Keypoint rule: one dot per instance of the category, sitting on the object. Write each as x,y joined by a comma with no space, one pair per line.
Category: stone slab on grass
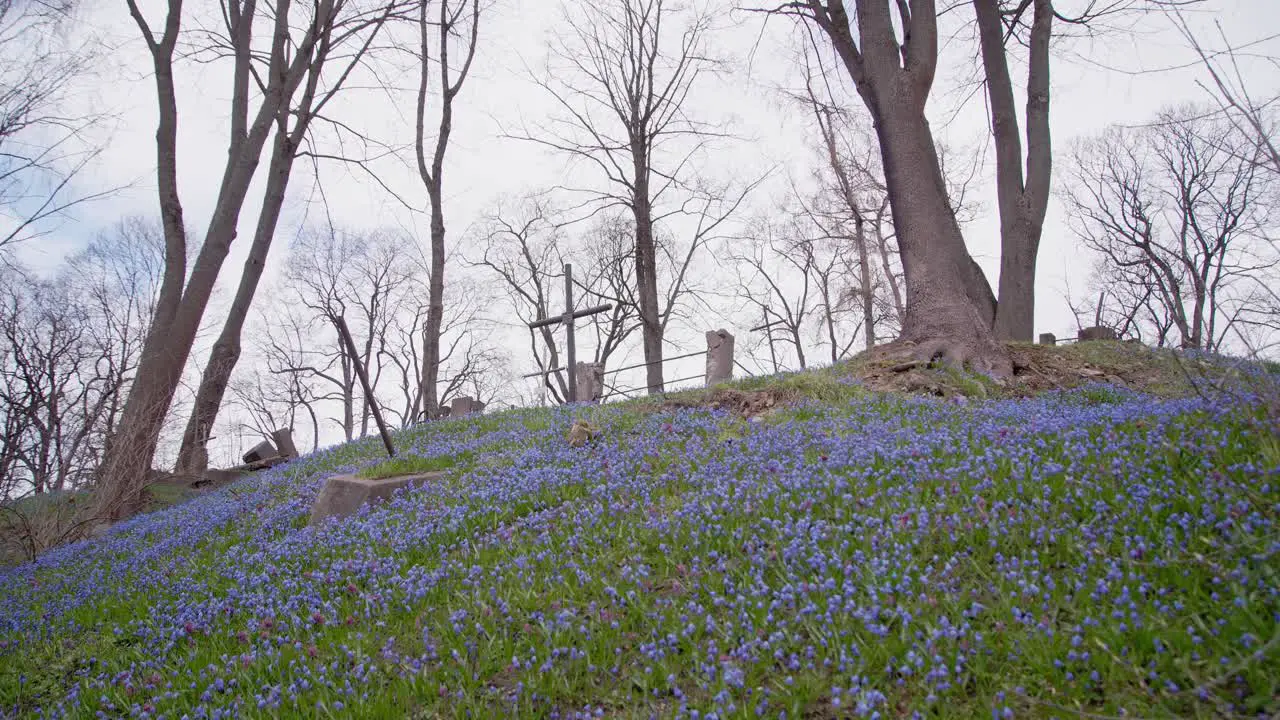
343,495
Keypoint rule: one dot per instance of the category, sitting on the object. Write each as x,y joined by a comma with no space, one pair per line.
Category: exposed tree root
987,358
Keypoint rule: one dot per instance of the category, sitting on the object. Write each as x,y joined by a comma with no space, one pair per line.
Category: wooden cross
567,320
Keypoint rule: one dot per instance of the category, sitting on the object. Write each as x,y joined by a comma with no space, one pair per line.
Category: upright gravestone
1048,339
590,382
284,440
719,356
1098,332
464,405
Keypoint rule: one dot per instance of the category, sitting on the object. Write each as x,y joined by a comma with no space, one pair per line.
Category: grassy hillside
1093,551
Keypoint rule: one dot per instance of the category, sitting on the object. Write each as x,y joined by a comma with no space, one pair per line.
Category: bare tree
849,208
466,353
622,80
778,281
343,41
43,144
949,305
457,27
184,296
286,346
360,276
1178,212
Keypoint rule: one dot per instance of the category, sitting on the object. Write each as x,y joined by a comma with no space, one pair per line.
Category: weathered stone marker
1048,339
284,440
1098,332
343,495
261,451
464,405
719,356
590,382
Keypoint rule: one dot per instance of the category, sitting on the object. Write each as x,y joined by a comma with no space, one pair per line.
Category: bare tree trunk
433,176
948,313
886,265
128,451
865,286
1022,203
127,460
646,271
192,456
435,308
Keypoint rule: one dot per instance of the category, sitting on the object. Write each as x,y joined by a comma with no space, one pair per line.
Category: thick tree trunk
941,315
647,272
1023,200
948,313
192,455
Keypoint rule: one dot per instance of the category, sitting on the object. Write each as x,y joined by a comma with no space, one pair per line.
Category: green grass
412,465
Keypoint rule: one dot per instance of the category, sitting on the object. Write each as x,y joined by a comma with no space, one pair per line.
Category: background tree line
862,245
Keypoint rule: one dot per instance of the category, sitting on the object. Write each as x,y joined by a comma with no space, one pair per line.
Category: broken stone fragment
261,451
343,495
581,433
1098,332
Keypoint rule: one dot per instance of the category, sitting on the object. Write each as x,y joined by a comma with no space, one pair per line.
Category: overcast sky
1119,77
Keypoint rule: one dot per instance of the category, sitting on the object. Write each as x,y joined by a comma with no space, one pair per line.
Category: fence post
1048,339
589,382
719,356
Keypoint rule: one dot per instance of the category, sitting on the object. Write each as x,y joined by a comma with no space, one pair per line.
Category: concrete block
1098,333
284,440
343,495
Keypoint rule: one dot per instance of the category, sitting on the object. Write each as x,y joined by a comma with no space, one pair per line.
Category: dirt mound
747,403
1041,368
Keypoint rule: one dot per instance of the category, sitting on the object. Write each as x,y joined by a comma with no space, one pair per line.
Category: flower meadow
1085,553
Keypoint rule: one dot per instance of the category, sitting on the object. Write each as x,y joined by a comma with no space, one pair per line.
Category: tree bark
192,455
433,179
1023,201
947,313
646,269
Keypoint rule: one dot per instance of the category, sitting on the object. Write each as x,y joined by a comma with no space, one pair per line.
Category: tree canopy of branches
525,247
373,282
1177,213
43,146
